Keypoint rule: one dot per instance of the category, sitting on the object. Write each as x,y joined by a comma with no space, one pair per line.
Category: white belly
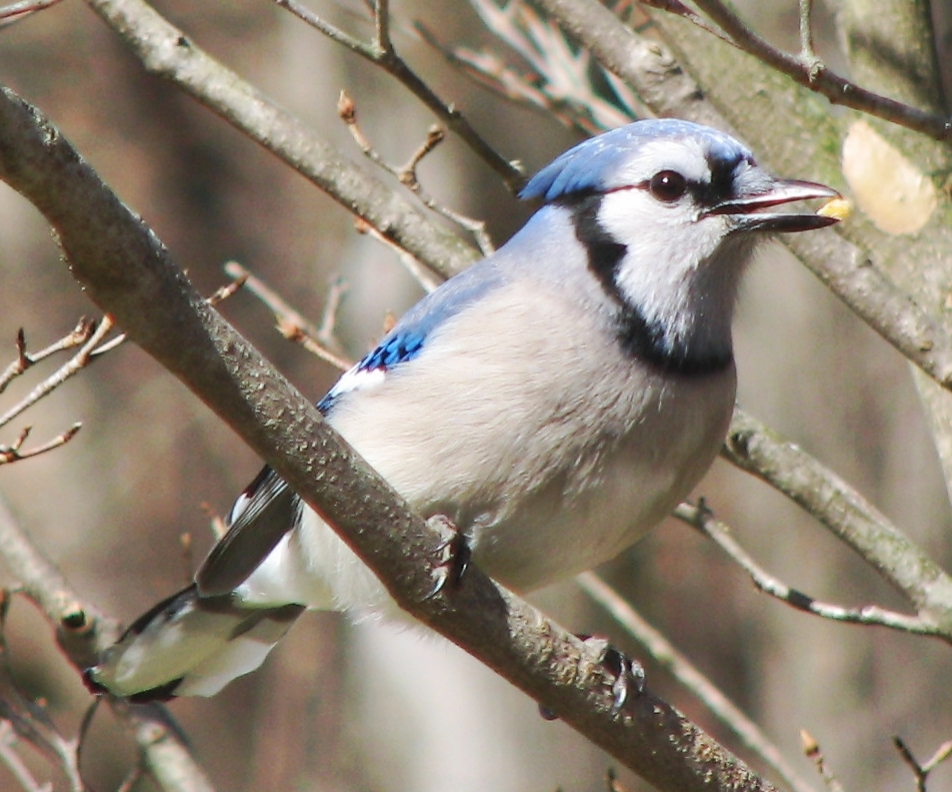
547,475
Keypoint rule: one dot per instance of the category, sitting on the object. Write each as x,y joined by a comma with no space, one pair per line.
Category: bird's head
669,213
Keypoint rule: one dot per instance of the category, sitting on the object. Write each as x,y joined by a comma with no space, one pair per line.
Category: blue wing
411,334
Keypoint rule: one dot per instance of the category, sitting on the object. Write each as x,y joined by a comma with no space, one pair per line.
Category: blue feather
409,336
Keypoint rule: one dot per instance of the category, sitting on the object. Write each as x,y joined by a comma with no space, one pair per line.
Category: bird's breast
532,430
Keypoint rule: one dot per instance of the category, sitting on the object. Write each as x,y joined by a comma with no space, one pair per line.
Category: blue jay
554,401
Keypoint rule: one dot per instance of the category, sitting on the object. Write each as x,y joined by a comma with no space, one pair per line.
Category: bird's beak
746,210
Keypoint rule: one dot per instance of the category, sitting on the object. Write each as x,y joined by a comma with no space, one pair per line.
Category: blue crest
589,166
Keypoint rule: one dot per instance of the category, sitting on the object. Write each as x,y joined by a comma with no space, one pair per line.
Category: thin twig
663,652
382,53
327,330
17,767
72,367
290,323
699,517
29,720
851,518
83,631
811,749
921,771
406,174
14,452
78,335
808,70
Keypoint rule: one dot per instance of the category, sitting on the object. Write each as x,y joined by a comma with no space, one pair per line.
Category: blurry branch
921,771
380,51
125,269
753,447
807,69
554,76
663,652
81,632
407,174
166,51
10,14
290,323
26,721
699,517
811,749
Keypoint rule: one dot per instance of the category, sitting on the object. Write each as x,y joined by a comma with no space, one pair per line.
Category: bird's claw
455,555
629,677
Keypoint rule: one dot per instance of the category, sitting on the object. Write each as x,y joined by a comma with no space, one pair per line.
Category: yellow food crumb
839,208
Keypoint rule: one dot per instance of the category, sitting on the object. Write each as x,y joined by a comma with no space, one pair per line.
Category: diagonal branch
753,447
167,52
808,70
381,52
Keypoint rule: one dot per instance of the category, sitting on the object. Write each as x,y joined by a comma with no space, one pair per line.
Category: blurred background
369,707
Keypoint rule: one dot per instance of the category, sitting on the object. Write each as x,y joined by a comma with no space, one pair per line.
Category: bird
554,401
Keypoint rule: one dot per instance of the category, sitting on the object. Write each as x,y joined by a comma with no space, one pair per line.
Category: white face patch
686,157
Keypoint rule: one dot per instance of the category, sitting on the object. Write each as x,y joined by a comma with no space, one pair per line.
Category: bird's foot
628,676
454,552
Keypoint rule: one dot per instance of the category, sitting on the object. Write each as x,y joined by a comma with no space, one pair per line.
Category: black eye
667,186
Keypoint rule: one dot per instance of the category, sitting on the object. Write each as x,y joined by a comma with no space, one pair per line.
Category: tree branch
123,266
755,448
382,53
167,52
806,69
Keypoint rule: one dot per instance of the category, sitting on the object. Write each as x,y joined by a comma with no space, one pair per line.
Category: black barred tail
189,645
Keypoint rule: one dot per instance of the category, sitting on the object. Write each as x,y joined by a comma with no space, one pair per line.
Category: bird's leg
454,554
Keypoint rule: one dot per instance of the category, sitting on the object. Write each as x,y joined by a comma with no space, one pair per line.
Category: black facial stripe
645,341
638,337
603,250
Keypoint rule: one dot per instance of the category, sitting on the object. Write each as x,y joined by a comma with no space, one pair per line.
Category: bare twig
700,517
78,335
17,767
420,272
166,51
82,631
382,53
72,367
850,517
327,330
290,323
15,453
30,721
808,70
559,75
665,654
921,771
811,749
407,175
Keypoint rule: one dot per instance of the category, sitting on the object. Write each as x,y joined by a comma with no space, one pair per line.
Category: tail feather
189,645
